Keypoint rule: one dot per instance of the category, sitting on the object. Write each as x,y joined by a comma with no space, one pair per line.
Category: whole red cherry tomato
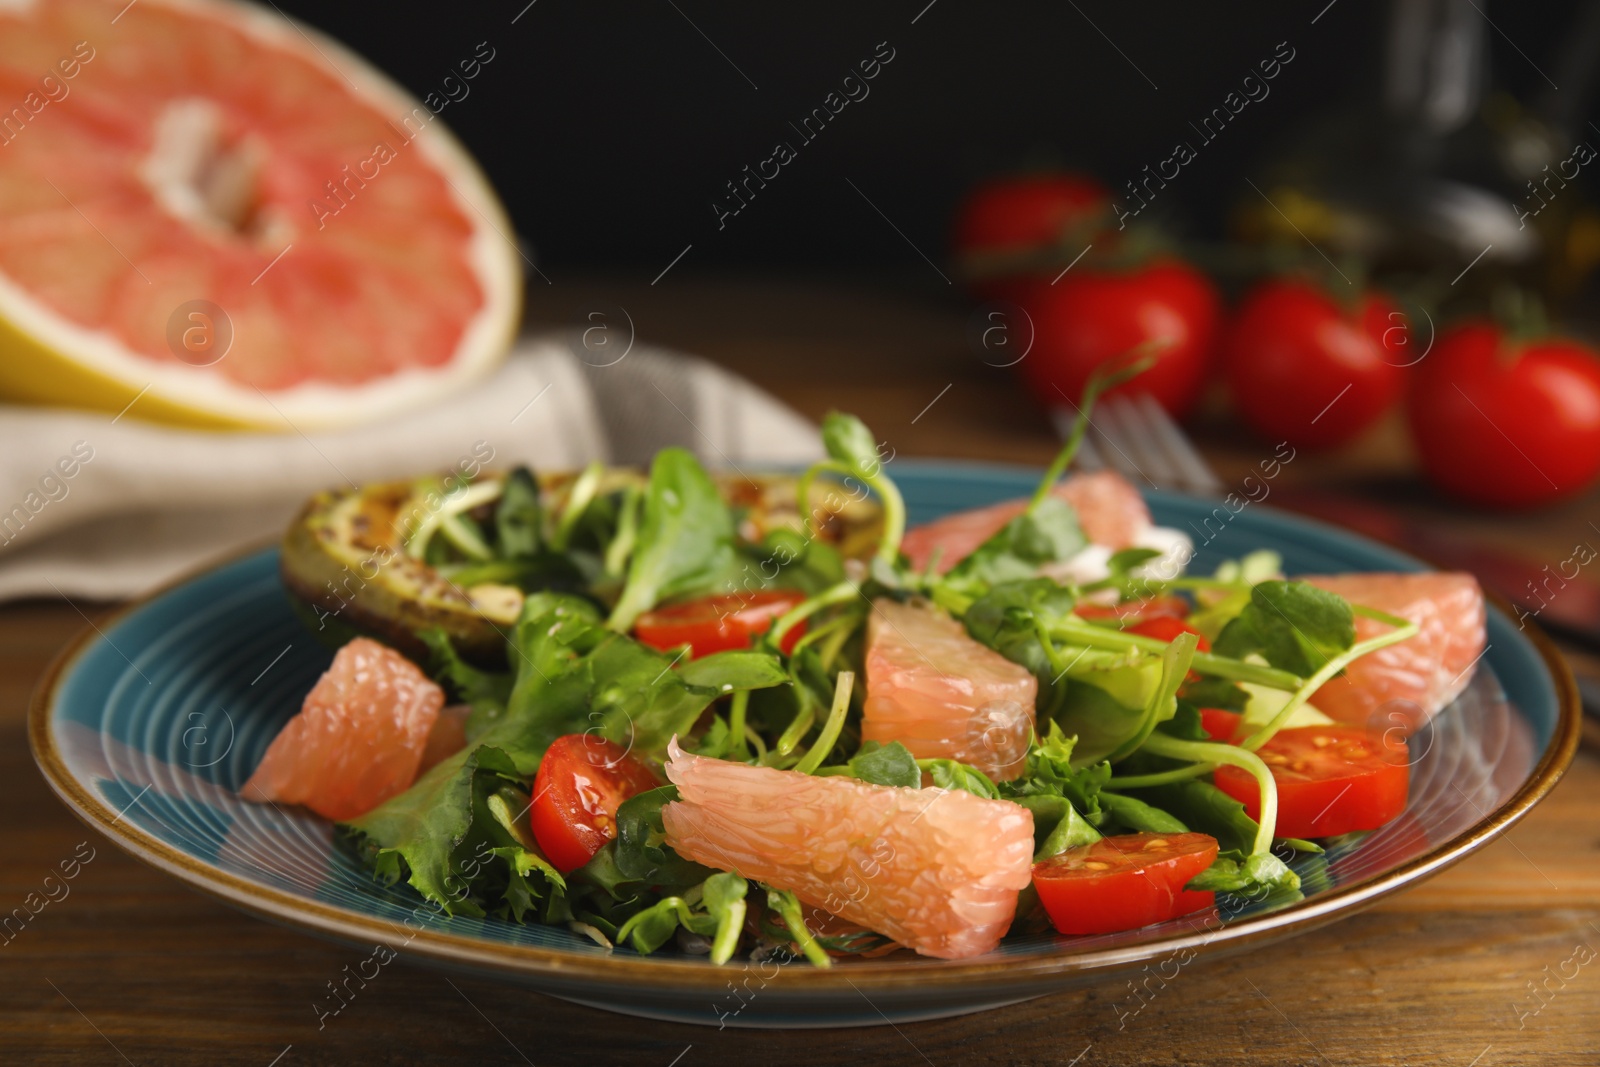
1304,369
1089,316
1007,217
1507,423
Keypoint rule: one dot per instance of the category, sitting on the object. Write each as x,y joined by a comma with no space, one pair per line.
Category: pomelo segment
1407,683
936,870
942,694
1111,512
359,738
213,159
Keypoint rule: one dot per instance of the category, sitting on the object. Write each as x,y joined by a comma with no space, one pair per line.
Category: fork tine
1194,473
1120,443
1146,449
1088,457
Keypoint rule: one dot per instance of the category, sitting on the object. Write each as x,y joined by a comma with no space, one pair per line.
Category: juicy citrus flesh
1110,510
944,695
358,739
935,870
106,238
1407,683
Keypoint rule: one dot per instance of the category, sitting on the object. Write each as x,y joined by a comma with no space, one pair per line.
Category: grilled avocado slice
347,569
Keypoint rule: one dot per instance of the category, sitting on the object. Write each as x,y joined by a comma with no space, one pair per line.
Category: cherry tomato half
1174,606
719,623
582,780
1507,424
1123,883
1220,723
1304,369
1165,628
1331,780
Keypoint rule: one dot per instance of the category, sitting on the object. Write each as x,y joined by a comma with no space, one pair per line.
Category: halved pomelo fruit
210,208
1111,512
1407,683
936,870
942,694
359,738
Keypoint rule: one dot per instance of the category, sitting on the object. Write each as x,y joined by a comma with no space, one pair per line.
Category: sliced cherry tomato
581,782
1123,883
1507,423
1174,606
1331,780
719,623
1220,723
1165,628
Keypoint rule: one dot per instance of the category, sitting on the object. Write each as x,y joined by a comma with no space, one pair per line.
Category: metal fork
1135,436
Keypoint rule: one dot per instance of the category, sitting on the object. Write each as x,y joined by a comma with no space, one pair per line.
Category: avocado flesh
345,567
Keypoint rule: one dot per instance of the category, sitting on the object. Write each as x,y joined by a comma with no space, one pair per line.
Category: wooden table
131,967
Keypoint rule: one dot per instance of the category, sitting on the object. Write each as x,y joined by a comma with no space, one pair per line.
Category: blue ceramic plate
148,727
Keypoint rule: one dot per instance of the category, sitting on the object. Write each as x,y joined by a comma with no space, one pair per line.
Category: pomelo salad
1021,717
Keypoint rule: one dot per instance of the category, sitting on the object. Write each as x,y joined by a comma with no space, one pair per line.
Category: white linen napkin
103,508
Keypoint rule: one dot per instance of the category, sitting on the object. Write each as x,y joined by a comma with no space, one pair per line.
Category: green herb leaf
685,537
519,520
724,672
1294,625
1136,816
1057,825
1043,534
891,764
951,774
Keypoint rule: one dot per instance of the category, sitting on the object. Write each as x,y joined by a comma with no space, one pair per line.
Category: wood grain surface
129,967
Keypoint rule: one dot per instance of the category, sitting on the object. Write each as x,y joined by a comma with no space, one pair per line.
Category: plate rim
618,971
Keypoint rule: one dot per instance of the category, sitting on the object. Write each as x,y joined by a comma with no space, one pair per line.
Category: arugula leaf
685,537
1294,625
1206,809
1053,769
519,519
1255,875
1057,825
1139,817
417,833
891,764
486,691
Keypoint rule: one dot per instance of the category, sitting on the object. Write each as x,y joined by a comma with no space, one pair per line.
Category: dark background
609,128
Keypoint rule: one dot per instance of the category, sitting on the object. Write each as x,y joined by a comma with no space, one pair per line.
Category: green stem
1211,752
836,594
621,546
736,711
1402,629
728,932
1143,358
453,504
579,498
787,905
1148,781
1074,631
831,728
